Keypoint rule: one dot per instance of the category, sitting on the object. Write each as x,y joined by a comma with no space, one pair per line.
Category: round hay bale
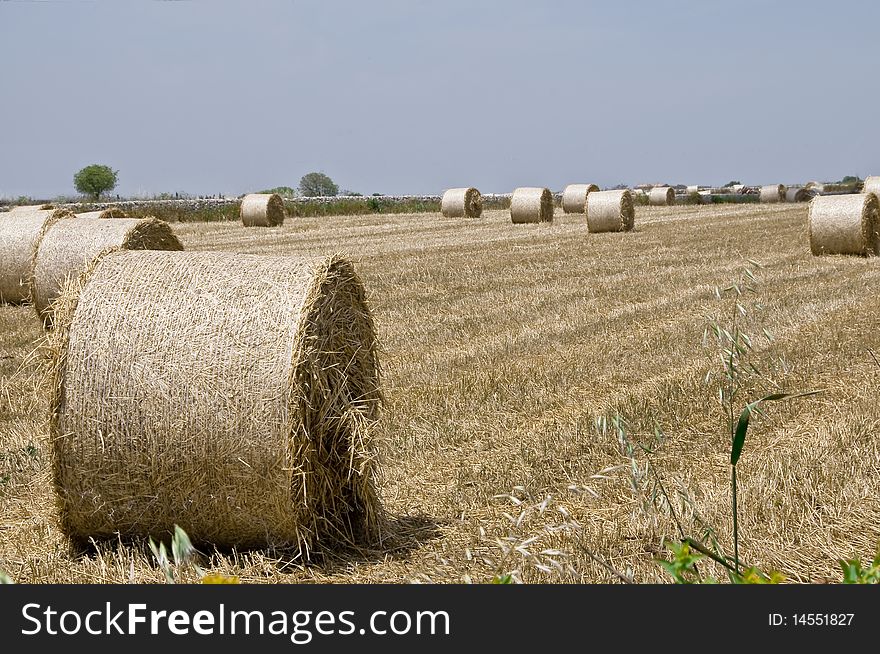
231,394
68,246
872,185
530,204
574,197
797,195
661,196
20,235
109,212
262,210
845,224
462,203
772,193
610,211
692,189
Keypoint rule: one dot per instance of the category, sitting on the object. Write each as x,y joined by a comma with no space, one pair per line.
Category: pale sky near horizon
414,97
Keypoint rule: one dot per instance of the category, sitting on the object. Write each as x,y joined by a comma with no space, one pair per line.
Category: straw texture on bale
845,224
574,197
797,195
661,196
773,193
234,395
462,203
68,246
872,185
20,236
32,207
610,211
262,210
530,204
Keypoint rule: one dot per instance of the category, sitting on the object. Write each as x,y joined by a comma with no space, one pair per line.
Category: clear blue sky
417,96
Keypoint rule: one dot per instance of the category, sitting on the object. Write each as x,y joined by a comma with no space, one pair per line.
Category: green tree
315,184
733,182
283,191
95,179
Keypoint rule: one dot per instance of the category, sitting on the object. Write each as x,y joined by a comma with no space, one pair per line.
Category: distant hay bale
610,211
32,207
797,195
234,395
661,196
20,235
574,197
69,245
773,193
693,189
845,224
262,210
461,203
530,204
872,185
109,212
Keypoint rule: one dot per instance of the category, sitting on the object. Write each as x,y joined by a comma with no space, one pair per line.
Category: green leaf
742,426
5,579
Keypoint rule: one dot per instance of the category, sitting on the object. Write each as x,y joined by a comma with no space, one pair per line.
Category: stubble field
507,352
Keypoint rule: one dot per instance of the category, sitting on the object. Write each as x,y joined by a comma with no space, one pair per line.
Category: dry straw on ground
610,211
661,196
773,193
530,204
20,235
574,197
845,224
231,394
262,210
872,185
797,195
461,203
68,246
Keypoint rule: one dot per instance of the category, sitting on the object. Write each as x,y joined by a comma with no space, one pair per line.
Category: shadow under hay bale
845,224
661,196
531,205
262,210
610,211
772,193
68,246
574,197
461,203
20,236
234,395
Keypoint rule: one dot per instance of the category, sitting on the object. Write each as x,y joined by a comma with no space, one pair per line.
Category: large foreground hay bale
262,210
661,196
530,204
845,224
231,394
574,197
461,203
872,185
797,195
70,245
20,235
610,211
773,193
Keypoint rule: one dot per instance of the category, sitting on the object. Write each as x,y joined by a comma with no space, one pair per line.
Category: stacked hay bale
262,210
661,196
797,195
68,246
233,395
461,203
531,205
20,236
610,211
845,224
574,197
772,193
872,185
